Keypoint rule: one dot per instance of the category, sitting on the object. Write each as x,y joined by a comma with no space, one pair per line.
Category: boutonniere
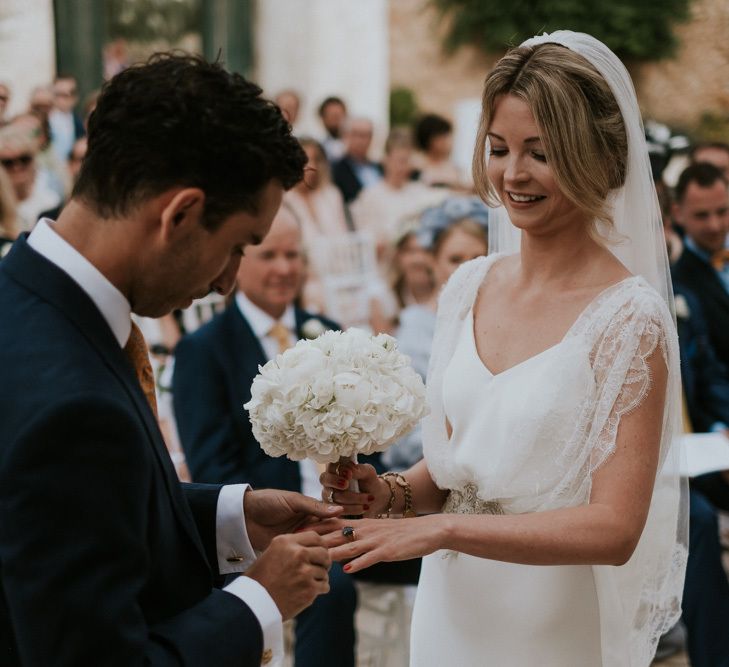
682,308
312,328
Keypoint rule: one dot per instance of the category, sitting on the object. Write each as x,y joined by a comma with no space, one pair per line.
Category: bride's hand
372,498
381,540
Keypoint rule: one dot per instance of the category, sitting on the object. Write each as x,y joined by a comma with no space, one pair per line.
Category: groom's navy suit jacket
214,370
105,559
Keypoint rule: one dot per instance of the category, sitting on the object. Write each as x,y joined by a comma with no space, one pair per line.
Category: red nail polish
366,506
342,483
370,498
347,568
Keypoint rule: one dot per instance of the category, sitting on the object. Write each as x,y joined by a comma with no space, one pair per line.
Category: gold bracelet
409,510
391,502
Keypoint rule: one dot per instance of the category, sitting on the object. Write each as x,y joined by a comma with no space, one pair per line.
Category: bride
552,528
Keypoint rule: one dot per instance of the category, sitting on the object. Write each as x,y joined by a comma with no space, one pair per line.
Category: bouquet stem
353,483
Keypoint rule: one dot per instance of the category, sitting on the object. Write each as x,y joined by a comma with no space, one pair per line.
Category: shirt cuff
235,553
718,427
268,615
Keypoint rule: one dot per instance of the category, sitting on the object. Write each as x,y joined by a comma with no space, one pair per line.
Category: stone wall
675,91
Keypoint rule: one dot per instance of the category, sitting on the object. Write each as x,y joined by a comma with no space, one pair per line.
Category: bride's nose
515,171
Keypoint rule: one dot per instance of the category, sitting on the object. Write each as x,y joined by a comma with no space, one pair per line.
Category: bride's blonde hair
580,125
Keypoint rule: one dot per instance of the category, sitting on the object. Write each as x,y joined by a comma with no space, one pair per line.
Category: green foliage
638,30
403,107
713,127
150,20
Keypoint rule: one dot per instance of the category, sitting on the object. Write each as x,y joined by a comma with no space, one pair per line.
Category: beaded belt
466,501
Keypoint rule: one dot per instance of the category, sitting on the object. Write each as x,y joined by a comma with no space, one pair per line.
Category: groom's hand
294,570
270,512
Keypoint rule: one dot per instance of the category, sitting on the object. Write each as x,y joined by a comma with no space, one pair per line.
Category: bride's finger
364,561
333,481
351,549
347,498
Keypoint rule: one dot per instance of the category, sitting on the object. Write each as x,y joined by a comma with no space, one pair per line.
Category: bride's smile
519,170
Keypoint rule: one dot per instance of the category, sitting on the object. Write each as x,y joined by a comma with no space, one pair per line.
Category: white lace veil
635,210
647,590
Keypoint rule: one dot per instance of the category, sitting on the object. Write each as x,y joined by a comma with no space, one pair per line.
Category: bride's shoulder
632,303
471,273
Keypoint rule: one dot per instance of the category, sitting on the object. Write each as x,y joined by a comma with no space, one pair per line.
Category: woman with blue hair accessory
454,232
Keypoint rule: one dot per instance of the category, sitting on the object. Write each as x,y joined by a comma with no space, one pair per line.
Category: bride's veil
650,585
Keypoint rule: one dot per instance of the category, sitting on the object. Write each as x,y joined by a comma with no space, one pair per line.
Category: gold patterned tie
281,335
720,259
136,351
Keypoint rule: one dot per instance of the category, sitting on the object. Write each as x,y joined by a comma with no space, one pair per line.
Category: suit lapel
246,352
709,282
54,286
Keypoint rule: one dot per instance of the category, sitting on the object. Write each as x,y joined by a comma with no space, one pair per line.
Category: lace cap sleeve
625,335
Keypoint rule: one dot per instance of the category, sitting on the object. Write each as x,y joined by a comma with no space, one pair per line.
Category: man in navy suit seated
706,389
214,370
105,558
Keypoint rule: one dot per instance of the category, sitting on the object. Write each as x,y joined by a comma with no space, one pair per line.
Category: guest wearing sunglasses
17,156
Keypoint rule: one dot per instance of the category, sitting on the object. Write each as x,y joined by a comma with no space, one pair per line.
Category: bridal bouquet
339,395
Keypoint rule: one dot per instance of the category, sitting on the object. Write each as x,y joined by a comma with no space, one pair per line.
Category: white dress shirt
231,534
261,323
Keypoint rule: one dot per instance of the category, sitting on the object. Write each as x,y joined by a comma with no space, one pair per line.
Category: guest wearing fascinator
452,233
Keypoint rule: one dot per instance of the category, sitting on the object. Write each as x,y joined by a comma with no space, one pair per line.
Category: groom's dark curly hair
178,120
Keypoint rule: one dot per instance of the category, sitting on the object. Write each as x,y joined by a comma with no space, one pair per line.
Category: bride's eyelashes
501,152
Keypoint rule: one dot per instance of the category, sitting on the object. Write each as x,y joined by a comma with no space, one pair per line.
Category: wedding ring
331,496
336,470
349,534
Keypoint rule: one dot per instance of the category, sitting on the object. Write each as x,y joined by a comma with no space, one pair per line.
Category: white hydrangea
338,395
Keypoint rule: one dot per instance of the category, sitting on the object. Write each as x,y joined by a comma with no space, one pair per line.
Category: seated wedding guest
333,114
214,370
706,390
289,102
713,152
8,216
75,159
674,242
453,233
51,172
18,152
318,204
41,100
66,124
434,139
412,269
354,171
702,209
319,208
380,208
99,539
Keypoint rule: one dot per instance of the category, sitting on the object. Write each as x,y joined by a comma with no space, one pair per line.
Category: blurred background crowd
385,214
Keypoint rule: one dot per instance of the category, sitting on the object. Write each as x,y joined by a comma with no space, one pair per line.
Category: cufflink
267,656
235,559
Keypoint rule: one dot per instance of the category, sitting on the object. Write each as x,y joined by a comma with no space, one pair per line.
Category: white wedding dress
527,440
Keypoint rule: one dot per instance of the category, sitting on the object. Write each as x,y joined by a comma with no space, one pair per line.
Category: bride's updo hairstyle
580,125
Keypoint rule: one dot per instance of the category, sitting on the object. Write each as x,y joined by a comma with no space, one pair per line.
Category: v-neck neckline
598,297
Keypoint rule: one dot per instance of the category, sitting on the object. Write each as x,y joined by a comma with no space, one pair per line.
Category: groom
105,559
